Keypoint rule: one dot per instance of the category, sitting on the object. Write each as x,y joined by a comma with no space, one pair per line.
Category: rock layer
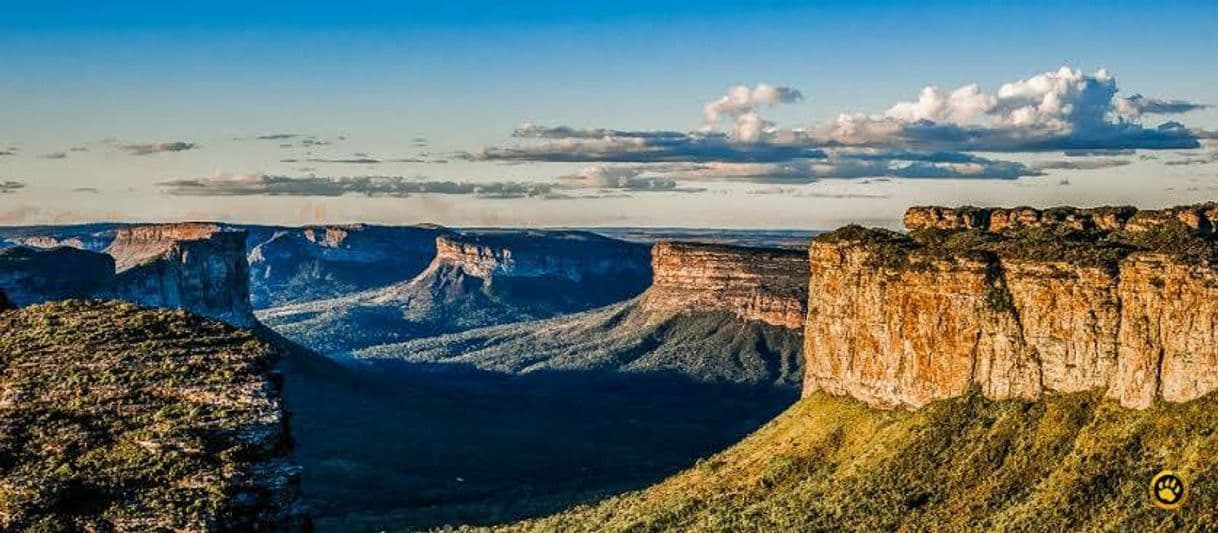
198,267
1200,217
900,322
754,283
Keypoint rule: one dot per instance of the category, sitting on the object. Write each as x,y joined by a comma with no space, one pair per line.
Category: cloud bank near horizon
932,136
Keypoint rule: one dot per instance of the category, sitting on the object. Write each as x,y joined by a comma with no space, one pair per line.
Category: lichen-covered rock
116,418
763,284
198,267
30,275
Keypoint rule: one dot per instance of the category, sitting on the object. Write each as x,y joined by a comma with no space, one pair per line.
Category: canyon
475,279
1016,304
713,313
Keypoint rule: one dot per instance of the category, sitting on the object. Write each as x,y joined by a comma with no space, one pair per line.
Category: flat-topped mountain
200,267
1128,306
317,262
713,313
474,280
32,275
118,418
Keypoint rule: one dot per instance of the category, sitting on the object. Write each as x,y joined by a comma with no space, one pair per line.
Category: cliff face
198,267
570,256
119,418
300,264
903,321
30,275
754,283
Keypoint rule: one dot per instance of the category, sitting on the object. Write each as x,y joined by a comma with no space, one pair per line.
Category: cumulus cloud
11,186
1063,110
381,186
741,106
156,148
625,177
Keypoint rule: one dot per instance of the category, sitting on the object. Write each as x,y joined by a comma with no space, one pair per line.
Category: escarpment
194,266
754,283
31,275
299,264
1017,304
475,279
116,418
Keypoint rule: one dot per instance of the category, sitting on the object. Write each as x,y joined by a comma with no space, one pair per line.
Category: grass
1071,462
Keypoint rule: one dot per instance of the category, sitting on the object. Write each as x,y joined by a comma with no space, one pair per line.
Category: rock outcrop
316,262
198,267
1128,307
763,284
116,418
31,275
1202,218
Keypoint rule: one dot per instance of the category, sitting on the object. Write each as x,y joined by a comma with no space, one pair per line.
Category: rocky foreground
118,418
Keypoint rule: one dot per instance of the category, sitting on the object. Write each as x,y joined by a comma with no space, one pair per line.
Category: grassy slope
1069,463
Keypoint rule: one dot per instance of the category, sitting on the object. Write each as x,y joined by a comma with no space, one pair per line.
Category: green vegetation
1072,462
1091,248
116,417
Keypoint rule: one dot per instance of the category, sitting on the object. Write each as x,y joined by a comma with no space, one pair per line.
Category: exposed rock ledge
902,321
199,267
1201,218
754,283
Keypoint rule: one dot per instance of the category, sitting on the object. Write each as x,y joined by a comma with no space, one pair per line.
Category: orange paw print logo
1167,490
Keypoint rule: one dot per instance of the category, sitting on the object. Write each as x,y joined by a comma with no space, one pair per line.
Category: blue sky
464,75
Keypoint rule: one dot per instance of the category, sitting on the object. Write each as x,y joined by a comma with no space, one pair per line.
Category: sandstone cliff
198,267
769,285
1063,302
116,418
30,275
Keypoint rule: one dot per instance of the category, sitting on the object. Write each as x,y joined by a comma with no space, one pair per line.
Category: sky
782,114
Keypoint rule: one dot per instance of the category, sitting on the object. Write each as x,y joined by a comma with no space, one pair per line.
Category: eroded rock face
572,256
1200,218
898,322
30,275
198,267
754,283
